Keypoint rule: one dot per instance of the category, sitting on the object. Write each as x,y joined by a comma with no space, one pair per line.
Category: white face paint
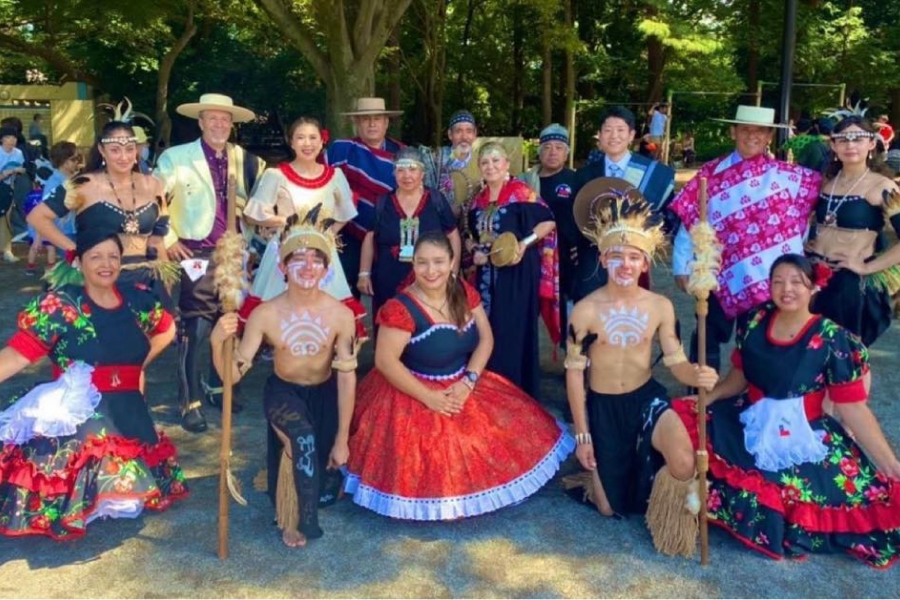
305,273
304,335
625,327
614,266
624,265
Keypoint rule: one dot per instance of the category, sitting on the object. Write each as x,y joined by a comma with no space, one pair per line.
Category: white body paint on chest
625,327
304,335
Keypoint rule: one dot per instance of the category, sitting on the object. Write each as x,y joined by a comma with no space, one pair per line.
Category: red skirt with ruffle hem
55,488
409,462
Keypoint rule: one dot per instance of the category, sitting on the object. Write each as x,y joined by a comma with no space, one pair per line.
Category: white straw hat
216,102
760,116
371,106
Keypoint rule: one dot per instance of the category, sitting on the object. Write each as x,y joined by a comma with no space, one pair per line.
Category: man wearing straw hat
368,163
759,208
196,177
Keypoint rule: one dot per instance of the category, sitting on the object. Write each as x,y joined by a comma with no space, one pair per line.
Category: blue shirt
622,163
658,124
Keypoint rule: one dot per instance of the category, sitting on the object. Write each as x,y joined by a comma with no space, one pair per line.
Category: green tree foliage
506,60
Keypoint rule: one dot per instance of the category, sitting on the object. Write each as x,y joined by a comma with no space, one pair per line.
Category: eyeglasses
852,137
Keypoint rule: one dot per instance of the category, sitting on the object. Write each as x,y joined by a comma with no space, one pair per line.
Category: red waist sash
812,402
112,378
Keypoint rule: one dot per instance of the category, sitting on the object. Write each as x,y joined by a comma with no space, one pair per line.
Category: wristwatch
471,378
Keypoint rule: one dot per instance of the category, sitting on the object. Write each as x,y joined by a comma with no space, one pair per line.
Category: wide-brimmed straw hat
371,106
760,116
216,102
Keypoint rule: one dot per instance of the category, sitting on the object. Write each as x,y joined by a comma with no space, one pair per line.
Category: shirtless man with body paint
628,435
308,407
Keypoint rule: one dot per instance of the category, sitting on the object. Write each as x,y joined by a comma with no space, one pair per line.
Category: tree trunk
467,32
895,106
570,74
395,93
753,11
353,41
440,60
163,122
518,70
547,76
342,88
656,61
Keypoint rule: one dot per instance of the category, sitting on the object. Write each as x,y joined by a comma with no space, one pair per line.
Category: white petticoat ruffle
52,409
778,435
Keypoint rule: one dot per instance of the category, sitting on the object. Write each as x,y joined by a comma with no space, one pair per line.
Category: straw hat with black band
760,116
371,107
219,102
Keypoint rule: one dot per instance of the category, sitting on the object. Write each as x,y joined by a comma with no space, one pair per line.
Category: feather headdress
309,229
124,112
611,212
856,110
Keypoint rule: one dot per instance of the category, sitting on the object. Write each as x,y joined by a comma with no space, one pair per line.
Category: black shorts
622,429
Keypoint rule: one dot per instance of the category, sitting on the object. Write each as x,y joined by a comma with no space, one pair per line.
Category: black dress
511,295
860,304
792,492
107,216
388,270
115,463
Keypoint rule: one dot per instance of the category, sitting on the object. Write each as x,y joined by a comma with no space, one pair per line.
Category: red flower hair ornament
823,274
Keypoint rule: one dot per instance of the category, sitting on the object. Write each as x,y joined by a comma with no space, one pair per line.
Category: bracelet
364,273
583,438
529,240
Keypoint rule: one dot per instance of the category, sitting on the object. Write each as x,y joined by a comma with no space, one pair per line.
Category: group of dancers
462,259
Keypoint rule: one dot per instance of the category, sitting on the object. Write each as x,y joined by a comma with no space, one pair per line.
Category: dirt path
548,546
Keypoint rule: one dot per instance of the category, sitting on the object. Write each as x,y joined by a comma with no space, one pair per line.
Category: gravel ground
548,546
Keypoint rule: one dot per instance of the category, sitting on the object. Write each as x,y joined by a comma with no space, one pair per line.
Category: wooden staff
228,305
702,456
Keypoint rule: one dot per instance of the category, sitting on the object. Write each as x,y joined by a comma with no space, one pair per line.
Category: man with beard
454,171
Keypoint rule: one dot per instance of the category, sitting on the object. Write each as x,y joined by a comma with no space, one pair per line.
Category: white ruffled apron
52,409
778,434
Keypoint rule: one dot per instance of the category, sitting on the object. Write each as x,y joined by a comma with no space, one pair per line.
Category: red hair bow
325,136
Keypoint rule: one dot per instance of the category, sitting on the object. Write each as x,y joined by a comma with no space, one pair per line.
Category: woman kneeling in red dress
434,436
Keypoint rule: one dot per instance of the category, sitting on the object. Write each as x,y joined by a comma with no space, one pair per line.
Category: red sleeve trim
165,321
394,314
846,393
472,296
736,360
28,346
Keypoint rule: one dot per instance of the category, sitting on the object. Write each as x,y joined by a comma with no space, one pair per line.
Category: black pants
622,427
350,257
199,308
308,417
